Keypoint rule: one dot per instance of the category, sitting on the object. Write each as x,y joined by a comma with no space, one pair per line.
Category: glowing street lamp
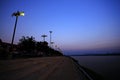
16,14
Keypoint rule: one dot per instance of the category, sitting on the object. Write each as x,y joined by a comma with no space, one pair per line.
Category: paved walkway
46,68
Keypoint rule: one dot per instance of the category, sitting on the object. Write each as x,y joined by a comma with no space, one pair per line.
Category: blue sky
77,25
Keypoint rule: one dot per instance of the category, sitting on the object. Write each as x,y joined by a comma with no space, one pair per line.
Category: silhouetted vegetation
27,47
26,44
4,50
3,53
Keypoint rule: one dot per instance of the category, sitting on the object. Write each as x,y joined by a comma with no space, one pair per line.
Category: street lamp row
17,14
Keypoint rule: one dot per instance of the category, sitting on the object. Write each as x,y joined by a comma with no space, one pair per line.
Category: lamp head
18,13
50,31
21,13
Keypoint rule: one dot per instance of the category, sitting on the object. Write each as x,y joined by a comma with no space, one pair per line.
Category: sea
106,66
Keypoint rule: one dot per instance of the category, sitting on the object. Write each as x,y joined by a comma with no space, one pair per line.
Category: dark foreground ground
46,68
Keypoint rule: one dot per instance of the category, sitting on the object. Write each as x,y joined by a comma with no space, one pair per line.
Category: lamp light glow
22,13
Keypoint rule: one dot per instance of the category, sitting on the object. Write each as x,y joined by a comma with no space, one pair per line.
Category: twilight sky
77,25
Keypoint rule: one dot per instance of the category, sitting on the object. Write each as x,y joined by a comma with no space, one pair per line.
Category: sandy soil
46,68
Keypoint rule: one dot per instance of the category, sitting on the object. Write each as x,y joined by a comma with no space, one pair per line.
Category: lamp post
44,37
16,14
52,44
50,38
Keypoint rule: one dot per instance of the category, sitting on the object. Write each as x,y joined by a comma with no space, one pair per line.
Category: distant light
22,13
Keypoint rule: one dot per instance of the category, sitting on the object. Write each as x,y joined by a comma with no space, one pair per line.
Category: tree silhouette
3,50
27,44
43,48
28,47
0,41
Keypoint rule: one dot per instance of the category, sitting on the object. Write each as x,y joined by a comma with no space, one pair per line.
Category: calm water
107,66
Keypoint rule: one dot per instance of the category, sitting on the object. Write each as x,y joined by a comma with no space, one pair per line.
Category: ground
46,68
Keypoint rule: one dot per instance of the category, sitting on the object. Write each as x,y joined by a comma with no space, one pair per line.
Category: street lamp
16,14
50,38
52,44
44,37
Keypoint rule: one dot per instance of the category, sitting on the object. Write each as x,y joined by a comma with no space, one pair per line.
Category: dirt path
46,68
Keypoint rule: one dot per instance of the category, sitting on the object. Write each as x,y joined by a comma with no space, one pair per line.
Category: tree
0,41
28,47
27,44
42,47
